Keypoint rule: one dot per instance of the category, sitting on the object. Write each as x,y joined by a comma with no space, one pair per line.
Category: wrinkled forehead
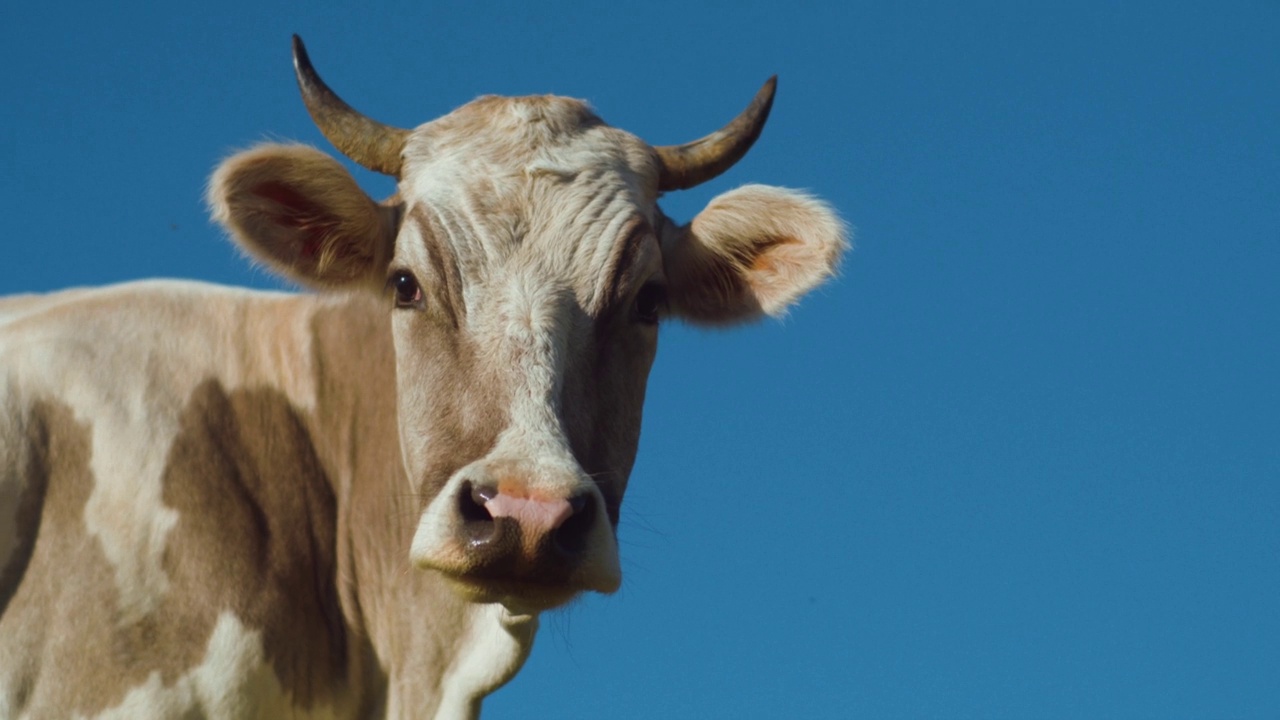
511,139
539,179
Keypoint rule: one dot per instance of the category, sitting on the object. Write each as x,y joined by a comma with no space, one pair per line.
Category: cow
355,501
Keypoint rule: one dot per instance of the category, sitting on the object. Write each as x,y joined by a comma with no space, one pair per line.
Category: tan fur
754,250
246,441
310,221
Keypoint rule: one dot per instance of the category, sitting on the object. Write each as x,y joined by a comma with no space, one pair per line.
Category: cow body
201,543
218,503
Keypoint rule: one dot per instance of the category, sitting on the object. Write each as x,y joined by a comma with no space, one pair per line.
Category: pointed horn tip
691,164
300,58
767,91
368,142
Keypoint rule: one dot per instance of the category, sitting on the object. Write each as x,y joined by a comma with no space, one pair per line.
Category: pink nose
503,522
539,516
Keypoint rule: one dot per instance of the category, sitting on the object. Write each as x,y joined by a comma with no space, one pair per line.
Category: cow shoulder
152,460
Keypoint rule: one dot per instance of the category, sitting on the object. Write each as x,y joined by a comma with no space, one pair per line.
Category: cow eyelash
406,289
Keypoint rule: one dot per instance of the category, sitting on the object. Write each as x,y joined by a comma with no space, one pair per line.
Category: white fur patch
126,512
494,648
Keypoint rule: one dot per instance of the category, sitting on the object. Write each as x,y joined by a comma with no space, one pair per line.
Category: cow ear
753,251
301,213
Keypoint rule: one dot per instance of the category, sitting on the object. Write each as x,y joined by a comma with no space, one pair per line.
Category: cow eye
405,286
650,302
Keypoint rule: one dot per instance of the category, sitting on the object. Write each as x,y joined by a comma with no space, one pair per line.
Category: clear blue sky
1022,460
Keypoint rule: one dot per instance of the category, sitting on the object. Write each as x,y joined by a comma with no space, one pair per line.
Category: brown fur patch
255,536
85,661
26,514
258,514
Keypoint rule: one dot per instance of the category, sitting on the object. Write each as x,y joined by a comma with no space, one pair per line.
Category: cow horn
684,166
364,140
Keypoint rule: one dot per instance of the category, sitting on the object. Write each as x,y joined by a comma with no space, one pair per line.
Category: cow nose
565,522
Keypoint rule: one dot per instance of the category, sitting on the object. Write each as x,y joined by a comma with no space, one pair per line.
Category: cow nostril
570,538
478,525
471,502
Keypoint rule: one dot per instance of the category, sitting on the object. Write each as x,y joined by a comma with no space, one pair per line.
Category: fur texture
754,250
303,215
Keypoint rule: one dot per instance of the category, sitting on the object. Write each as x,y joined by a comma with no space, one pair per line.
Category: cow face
526,267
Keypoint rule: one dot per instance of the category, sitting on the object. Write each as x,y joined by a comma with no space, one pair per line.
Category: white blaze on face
529,335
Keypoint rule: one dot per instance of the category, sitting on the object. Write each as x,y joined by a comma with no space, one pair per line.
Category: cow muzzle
519,539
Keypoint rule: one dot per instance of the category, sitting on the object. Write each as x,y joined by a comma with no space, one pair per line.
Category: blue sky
1022,460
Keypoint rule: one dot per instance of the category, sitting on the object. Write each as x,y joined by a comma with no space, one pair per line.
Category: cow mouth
495,561
518,594
504,565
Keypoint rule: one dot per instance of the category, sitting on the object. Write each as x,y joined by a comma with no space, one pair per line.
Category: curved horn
364,140
684,166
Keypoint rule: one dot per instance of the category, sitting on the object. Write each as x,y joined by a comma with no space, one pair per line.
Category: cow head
526,267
